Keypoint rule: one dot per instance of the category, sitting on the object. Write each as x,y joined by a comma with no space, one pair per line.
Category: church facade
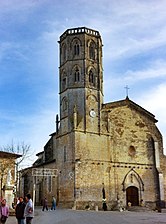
101,151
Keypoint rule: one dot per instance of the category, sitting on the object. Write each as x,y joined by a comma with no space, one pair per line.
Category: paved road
64,216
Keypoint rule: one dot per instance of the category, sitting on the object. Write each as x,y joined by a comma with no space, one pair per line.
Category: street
67,216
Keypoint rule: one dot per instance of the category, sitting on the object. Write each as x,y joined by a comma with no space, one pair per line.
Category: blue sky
134,54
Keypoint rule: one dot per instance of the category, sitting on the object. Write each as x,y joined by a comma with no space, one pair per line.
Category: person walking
53,207
4,211
20,207
45,204
28,211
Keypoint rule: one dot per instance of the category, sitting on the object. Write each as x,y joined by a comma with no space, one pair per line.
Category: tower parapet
79,30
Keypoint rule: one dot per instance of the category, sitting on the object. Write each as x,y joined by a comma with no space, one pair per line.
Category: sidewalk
11,220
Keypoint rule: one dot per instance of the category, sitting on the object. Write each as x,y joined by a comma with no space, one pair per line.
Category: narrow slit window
65,154
64,104
64,84
91,77
76,75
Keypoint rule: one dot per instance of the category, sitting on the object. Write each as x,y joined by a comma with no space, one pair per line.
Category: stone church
101,151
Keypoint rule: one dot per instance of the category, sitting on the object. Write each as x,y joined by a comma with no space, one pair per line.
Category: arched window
131,151
76,75
64,104
64,52
92,51
76,48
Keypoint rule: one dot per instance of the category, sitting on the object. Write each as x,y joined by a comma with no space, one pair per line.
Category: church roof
131,104
39,153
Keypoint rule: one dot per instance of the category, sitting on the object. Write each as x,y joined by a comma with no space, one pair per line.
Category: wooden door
132,196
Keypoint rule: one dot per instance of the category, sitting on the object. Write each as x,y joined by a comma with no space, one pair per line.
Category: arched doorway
132,196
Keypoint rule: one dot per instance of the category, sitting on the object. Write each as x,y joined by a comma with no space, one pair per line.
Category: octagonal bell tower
81,80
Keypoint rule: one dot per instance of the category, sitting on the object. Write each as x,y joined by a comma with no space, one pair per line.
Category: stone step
163,210
139,209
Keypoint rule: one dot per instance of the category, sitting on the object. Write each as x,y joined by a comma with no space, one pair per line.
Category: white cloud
154,101
32,129
17,5
155,69
134,27
4,48
12,51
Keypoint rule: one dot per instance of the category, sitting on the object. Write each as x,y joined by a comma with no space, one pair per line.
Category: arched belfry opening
133,186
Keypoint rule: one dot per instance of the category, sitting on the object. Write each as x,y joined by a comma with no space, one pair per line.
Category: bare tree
21,149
